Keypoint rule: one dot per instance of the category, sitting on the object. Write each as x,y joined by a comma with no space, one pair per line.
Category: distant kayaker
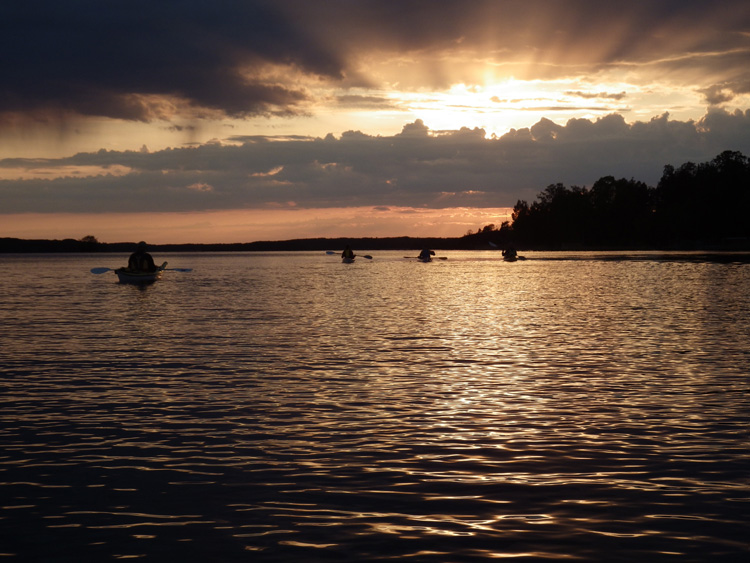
510,253
426,255
347,254
140,260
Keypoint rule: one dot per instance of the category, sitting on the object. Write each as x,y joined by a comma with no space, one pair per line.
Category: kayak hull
347,260
126,276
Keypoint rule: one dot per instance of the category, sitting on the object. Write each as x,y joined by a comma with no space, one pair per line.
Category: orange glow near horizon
253,224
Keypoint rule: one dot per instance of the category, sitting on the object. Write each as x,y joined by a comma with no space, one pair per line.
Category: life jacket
141,263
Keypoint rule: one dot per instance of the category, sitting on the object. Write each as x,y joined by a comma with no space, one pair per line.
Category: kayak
510,258
126,276
347,260
137,277
428,259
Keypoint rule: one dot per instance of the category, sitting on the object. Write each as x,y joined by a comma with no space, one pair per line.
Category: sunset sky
235,121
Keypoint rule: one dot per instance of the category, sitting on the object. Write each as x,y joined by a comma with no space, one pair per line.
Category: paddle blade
100,270
367,256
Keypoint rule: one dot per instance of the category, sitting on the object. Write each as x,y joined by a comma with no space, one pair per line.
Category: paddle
361,256
104,270
331,252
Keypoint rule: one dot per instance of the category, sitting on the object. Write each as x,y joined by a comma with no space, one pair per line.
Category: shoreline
467,242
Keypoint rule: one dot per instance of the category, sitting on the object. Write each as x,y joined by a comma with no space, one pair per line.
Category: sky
242,120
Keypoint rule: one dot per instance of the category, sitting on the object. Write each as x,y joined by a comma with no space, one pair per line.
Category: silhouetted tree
89,243
620,212
560,215
710,201
707,202
727,179
522,223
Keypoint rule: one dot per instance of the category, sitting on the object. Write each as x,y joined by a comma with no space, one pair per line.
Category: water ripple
289,409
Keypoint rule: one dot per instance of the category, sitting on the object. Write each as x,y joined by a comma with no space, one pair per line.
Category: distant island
694,207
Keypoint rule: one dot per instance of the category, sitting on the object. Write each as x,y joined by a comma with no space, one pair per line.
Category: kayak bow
126,276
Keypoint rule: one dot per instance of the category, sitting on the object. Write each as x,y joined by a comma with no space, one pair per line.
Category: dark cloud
597,95
146,60
416,168
106,58
727,91
365,102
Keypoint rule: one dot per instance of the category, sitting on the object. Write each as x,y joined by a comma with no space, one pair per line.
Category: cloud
201,187
365,102
415,168
597,95
143,61
727,91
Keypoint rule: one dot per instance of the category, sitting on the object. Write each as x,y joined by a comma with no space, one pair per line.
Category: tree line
90,244
695,205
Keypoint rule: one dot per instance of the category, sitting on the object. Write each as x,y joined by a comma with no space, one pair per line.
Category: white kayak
128,276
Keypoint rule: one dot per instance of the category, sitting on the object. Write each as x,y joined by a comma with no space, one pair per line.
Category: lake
288,407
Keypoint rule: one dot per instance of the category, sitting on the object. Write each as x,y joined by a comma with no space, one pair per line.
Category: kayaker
347,254
140,260
426,254
510,252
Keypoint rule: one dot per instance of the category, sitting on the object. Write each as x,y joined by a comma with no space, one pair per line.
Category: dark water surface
287,407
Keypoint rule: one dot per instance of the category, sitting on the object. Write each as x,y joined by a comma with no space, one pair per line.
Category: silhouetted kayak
428,259
347,260
126,276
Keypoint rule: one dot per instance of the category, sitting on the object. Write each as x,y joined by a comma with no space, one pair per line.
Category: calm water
287,407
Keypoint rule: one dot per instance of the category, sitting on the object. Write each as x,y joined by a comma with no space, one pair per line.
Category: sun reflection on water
468,408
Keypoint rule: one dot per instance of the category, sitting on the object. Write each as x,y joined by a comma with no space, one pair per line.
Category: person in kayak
510,253
426,255
140,260
347,254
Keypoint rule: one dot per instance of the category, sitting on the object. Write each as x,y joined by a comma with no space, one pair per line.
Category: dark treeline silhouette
90,244
694,206
86,244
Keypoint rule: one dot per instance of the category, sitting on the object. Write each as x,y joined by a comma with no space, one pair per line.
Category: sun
496,108
499,106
